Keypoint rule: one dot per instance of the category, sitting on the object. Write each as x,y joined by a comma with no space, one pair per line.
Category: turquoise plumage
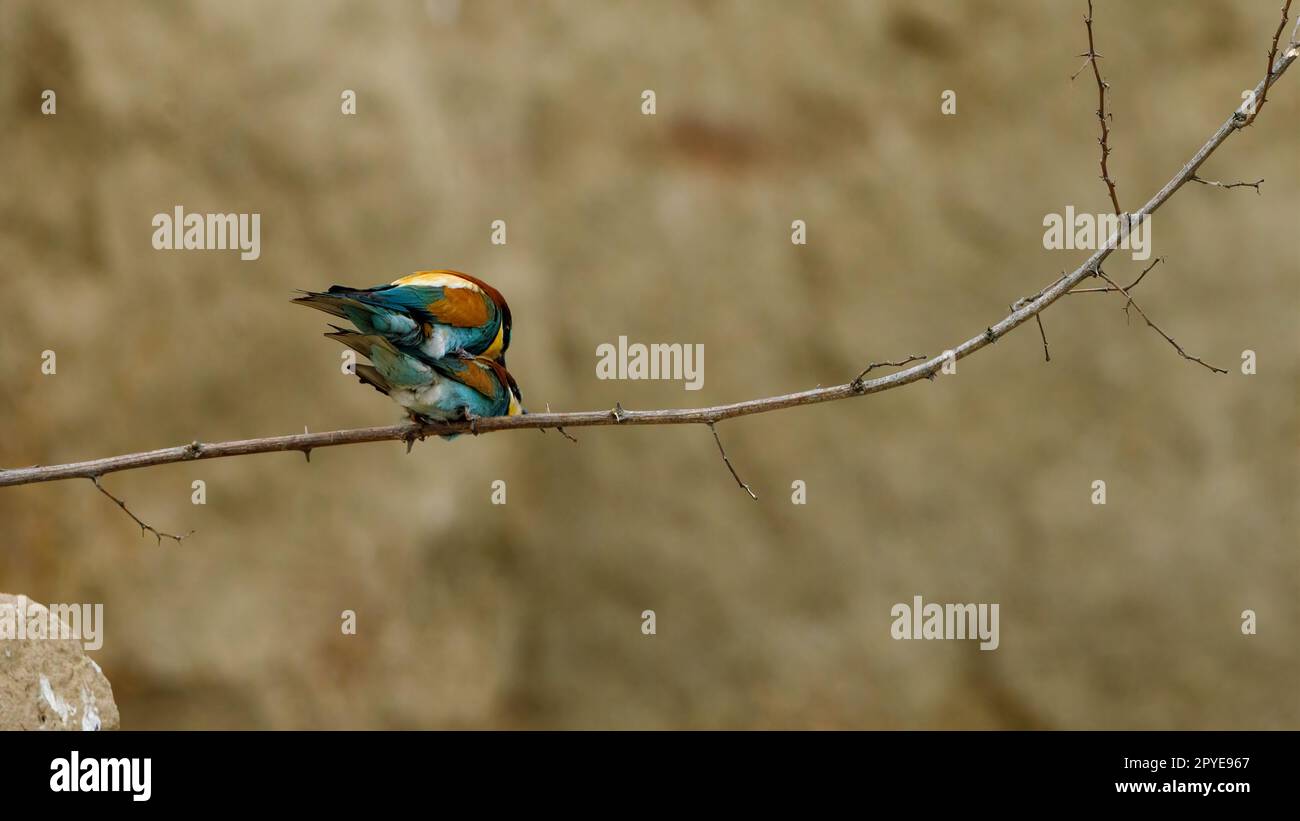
438,313
436,342
454,388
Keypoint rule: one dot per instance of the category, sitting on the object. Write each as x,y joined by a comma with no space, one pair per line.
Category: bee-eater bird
458,387
438,313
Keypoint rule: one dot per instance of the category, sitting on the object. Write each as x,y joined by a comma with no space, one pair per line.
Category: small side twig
158,534
857,381
1110,290
562,431
1268,69
1047,356
734,475
1042,333
1226,185
1092,58
1131,303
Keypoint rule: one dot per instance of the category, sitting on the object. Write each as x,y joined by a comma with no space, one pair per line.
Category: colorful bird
438,313
453,388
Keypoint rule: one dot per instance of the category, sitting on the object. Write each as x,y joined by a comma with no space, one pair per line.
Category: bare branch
1226,185
1092,58
1130,303
1269,74
1022,311
734,475
158,534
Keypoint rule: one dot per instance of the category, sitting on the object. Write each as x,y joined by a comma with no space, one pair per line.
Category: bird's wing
445,297
472,373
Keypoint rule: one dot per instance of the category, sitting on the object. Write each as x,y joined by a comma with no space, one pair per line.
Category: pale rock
50,684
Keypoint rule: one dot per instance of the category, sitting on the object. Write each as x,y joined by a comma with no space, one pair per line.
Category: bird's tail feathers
364,344
337,300
370,376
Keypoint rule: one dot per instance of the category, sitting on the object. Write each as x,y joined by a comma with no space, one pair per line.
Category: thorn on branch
858,383
734,475
144,528
1131,303
410,438
1226,185
618,413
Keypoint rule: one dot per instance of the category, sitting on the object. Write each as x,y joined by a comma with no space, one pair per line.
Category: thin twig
1268,67
1110,290
1226,185
562,431
1092,58
1131,303
916,357
1042,332
734,475
1039,317
158,534
1021,313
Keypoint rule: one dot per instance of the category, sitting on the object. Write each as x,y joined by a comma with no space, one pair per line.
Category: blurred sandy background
671,228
